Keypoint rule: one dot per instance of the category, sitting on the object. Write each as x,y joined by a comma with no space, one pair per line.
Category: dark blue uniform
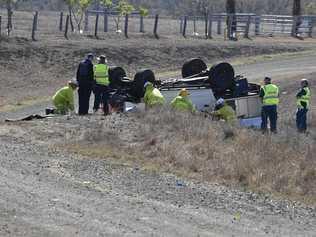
85,78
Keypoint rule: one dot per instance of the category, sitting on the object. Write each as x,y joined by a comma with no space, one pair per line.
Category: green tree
123,8
77,9
143,11
310,8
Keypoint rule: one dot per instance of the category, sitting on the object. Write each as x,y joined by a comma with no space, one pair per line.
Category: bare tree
231,19
296,14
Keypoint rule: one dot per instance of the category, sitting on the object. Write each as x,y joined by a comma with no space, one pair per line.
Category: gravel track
49,193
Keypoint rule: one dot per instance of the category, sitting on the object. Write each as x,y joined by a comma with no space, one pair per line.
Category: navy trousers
84,93
301,118
101,94
269,112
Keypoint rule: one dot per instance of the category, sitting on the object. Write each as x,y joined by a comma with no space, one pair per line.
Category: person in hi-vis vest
303,98
101,88
269,94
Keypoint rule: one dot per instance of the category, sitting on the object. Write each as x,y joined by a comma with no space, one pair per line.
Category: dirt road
279,68
45,192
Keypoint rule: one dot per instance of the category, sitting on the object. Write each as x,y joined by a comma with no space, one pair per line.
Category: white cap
73,82
220,101
147,84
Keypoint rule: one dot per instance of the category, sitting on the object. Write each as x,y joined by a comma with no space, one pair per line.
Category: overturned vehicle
205,86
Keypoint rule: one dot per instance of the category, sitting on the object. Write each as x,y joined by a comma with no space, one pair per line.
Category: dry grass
196,147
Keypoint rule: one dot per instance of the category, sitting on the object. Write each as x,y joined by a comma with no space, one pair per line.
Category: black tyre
193,67
116,75
140,78
222,77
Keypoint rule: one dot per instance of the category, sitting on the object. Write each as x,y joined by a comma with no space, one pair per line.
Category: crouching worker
63,100
182,102
224,111
152,97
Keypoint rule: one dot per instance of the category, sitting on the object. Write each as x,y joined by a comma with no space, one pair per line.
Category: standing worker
63,100
269,93
224,111
152,96
101,88
182,102
303,104
85,78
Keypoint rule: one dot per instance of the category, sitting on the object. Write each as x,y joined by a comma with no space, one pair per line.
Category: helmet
73,82
220,101
304,80
184,92
148,83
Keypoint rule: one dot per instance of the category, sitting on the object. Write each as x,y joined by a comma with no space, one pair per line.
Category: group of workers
270,94
90,78
95,78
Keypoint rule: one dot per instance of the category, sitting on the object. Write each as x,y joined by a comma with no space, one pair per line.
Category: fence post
210,23
61,18
219,25
105,21
194,25
294,27
156,26
9,23
34,27
310,28
257,25
206,25
71,22
96,25
247,28
184,27
229,27
141,24
66,27
86,21
181,24
126,26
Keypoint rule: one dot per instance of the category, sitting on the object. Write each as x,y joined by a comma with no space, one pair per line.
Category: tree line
77,8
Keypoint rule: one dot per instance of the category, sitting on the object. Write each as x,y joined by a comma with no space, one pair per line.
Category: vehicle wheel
116,75
140,78
192,67
222,77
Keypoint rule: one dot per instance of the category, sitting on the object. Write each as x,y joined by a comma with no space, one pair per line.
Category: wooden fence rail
26,24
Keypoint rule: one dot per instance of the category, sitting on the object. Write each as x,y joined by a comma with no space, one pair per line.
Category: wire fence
49,24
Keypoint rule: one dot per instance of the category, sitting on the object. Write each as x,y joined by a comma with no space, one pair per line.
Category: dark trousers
101,94
301,117
269,112
84,93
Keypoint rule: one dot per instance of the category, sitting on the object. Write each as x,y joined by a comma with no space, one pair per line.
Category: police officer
303,103
269,94
85,78
101,88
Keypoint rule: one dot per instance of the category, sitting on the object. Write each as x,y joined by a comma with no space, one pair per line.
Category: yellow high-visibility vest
271,95
305,98
101,74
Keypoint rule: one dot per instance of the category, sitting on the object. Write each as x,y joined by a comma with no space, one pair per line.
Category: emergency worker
269,94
